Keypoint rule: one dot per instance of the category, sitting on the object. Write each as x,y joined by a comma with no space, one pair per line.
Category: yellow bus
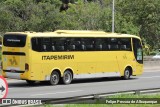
64,55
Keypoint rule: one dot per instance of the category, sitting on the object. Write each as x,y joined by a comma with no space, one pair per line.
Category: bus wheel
30,82
127,74
54,79
67,77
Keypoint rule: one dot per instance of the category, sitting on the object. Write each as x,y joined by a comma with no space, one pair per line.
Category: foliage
84,16
145,16
138,17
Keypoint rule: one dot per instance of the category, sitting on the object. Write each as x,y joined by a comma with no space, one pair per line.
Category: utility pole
113,16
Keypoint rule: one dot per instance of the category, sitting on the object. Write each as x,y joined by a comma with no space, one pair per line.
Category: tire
54,79
67,77
127,74
30,82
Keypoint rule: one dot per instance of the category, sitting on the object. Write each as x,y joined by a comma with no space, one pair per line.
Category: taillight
26,67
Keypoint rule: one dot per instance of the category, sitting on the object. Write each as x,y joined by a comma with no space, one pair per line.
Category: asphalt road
20,89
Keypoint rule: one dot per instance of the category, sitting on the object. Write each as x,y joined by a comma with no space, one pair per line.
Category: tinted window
137,47
125,44
87,44
119,44
41,44
59,43
73,44
12,40
36,44
113,44
81,44
101,44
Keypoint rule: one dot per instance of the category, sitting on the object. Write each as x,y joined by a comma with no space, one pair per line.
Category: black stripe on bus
13,71
14,53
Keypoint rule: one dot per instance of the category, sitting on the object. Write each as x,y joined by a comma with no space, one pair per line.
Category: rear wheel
30,82
127,74
67,77
54,79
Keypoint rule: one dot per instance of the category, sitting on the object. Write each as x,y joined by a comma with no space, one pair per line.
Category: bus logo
13,61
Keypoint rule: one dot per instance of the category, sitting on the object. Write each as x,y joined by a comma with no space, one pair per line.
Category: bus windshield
13,40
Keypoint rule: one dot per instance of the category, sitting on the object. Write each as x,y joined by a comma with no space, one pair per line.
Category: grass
101,103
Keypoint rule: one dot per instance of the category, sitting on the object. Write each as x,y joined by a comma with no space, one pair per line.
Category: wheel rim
67,77
127,73
54,79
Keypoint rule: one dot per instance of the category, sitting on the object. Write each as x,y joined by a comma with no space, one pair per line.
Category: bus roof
73,33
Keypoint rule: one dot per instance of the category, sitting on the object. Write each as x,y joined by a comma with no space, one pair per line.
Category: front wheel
54,79
67,77
127,74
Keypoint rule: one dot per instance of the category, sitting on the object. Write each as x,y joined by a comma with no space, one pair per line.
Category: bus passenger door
125,55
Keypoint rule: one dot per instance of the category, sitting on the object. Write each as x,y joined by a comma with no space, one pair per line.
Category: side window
46,44
87,44
71,44
36,44
53,44
60,44
77,43
125,44
101,44
113,44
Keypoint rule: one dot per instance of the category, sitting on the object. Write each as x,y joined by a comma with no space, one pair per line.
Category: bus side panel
86,62
107,62
139,69
36,71
97,64
126,58
44,63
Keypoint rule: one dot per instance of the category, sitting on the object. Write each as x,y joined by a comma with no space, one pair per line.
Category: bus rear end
14,55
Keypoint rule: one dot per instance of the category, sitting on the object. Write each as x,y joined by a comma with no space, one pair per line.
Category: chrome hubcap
67,77
127,73
54,78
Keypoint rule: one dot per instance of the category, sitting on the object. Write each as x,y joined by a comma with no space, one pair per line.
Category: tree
138,17
144,16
